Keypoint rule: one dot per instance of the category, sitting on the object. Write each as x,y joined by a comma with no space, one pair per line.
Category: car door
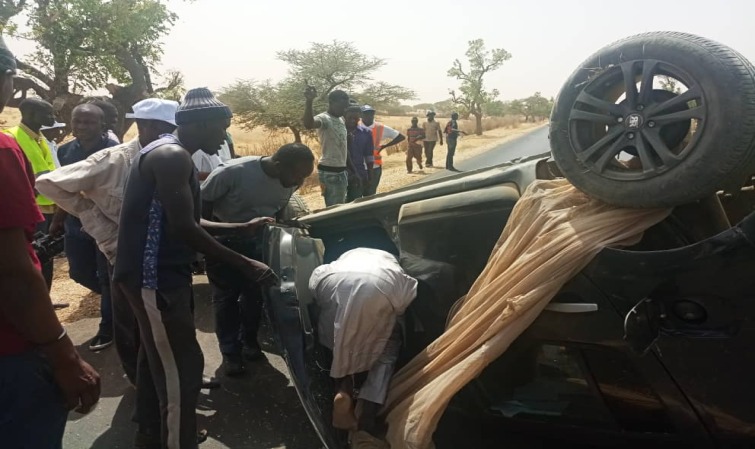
294,255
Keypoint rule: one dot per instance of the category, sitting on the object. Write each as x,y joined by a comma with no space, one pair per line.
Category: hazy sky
217,41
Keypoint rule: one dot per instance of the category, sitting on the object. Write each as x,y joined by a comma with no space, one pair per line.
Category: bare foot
343,412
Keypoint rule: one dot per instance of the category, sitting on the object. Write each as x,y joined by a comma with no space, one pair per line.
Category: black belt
321,167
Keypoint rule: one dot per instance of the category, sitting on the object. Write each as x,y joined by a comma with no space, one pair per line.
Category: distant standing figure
380,132
433,132
111,126
331,131
361,155
414,150
452,135
54,135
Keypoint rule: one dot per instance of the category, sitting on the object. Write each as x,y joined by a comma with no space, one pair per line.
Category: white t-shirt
204,162
332,136
54,150
225,152
388,132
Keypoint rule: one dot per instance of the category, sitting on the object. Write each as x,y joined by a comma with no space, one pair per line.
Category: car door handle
571,307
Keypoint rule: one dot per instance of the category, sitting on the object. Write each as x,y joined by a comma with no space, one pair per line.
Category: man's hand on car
259,272
251,227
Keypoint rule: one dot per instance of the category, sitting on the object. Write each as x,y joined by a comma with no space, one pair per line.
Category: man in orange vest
35,114
380,132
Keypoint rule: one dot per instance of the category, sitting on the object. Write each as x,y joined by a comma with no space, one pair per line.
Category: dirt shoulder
394,165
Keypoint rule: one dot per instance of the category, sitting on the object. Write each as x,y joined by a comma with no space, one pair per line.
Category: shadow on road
257,411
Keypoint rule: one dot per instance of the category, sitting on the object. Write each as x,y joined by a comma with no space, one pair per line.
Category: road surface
258,411
530,144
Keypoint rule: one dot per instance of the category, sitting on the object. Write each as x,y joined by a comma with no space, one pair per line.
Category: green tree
537,107
84,45
496,108
383,96
446,107
330,66
266,104
472,93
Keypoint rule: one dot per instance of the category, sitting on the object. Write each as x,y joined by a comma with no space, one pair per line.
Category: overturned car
648,345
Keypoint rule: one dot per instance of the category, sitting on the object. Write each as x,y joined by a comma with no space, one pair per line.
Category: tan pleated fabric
554,232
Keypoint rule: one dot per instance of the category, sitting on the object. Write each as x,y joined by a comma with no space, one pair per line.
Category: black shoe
253,352
453,169
233,365
201,436
429,166
210,383
100,342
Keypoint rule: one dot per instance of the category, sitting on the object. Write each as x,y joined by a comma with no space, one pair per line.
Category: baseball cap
368,108
55,125
155,109
429,113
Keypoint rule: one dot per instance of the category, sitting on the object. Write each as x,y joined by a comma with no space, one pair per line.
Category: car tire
295,208
657,147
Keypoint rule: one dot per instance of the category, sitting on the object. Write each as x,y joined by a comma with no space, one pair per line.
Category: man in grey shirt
244,189
331,130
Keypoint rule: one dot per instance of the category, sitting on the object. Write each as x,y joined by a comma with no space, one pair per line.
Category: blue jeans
371,188
88,267
33,414
334,186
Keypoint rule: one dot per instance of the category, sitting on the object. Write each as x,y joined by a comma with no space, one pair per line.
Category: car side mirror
642,325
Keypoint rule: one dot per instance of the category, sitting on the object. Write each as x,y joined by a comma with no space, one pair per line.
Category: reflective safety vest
39,156
377,137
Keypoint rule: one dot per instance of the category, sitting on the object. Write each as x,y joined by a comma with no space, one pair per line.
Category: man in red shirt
41,374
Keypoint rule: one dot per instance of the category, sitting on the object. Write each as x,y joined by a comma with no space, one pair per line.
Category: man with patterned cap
159,235
92,190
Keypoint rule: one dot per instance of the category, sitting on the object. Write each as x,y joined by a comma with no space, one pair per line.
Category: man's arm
309,118
396,140
369,156
26,303
440,134
65,185
171,168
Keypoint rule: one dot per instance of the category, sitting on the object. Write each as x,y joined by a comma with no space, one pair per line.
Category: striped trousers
169,366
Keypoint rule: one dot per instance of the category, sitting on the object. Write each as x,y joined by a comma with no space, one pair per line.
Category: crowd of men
134,216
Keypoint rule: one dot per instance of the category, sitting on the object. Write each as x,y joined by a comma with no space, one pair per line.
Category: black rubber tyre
295,208
621,143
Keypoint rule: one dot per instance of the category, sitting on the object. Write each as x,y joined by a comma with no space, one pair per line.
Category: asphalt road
530,144
258,411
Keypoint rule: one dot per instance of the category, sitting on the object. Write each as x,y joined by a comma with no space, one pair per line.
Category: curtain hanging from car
554,232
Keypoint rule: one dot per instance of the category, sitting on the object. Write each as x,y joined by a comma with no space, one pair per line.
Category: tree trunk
297,133
478,124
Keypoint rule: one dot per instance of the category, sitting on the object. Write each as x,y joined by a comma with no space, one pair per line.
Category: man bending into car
361,297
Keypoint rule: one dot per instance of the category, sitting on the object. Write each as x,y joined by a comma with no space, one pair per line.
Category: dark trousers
170,365
33,414
88,267
356,188
451,152
236,301
429,148
372,186
125,329
48,268
413,153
